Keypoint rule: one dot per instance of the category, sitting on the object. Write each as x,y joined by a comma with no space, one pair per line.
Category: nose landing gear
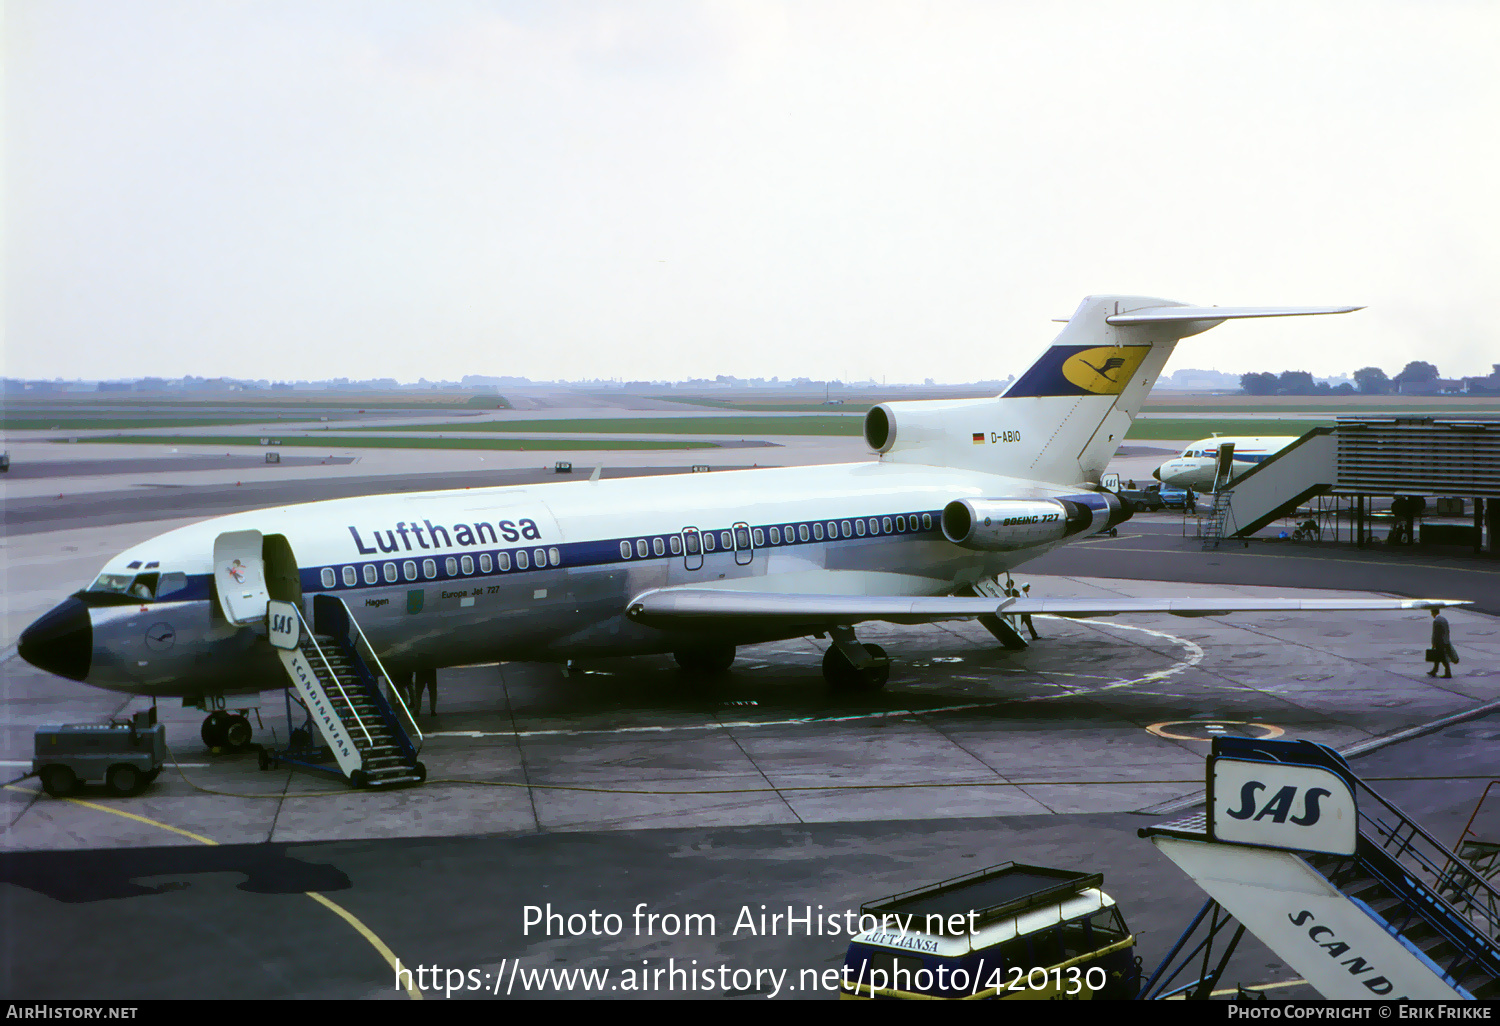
229,731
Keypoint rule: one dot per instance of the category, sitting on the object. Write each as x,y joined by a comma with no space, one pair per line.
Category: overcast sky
664,190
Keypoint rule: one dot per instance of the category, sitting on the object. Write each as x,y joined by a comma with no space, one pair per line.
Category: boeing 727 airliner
957,493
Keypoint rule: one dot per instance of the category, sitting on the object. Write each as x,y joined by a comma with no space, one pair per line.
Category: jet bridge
337,678
1370,456
1344,886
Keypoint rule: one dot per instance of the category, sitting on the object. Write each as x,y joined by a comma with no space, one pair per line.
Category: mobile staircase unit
330,666
1276,486
1344,886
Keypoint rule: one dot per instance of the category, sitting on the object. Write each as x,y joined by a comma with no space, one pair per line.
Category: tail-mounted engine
1002,525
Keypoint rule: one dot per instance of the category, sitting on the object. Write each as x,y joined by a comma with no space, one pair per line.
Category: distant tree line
1367,381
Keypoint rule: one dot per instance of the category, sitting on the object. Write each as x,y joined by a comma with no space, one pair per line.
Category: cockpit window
114,584
140,586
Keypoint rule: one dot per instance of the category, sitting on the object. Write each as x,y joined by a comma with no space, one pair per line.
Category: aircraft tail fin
1063,419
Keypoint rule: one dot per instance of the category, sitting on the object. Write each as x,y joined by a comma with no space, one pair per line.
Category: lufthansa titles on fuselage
399,538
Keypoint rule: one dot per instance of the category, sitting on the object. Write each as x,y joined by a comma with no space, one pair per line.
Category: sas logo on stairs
1275,805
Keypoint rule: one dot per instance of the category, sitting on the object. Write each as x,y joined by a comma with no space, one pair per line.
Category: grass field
744,427
346,442
1191,430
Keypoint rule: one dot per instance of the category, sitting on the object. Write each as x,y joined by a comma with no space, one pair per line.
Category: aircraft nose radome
1156,473
61,642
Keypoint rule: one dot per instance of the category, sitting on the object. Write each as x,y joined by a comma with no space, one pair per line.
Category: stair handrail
312,638
379,667
1441,876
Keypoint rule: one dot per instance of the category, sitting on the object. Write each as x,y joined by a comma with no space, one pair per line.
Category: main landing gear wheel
712,660
845,676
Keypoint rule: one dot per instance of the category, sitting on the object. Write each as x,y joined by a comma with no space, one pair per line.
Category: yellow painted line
128,815
333,906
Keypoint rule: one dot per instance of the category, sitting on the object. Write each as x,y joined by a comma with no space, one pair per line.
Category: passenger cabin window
926,521
450,566
555,556
833,529
390,573
350,579
409,570
802,532
874,526
900,523
859,528
330,579
466,563
370,573
658,546
485,563
624,550
724,540
885,524
640,547
429,568
742,537
522,562
848,529
540,556
775,536
504,558
818,532
691,541
759,536
708,541
676,544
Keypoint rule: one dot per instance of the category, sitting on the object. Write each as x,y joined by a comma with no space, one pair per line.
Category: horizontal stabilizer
1169,314
664,607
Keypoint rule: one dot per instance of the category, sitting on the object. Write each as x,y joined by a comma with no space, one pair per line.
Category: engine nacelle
1003,525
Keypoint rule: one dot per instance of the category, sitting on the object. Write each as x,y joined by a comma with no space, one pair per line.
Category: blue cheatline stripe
605,552
602,552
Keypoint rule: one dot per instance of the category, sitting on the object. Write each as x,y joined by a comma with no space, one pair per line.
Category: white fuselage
545,572
1197,465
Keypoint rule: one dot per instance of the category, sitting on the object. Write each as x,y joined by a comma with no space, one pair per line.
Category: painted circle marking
1207,730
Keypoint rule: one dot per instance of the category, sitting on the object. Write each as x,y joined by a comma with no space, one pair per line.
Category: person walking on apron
1442,652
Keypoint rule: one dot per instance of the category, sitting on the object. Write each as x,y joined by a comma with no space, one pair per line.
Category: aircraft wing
671,607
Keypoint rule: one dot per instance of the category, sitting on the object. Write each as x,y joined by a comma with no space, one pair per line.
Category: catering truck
1010,931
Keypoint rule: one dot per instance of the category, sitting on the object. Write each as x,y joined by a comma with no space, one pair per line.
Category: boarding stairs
1397,915
338,679
1277,486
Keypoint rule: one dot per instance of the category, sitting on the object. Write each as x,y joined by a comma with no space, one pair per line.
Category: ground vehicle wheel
125,780
213,729
359,778
708,660
421,770
263,760
237,733
59,781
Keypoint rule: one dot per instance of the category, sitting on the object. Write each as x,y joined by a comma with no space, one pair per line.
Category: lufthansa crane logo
1104,370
